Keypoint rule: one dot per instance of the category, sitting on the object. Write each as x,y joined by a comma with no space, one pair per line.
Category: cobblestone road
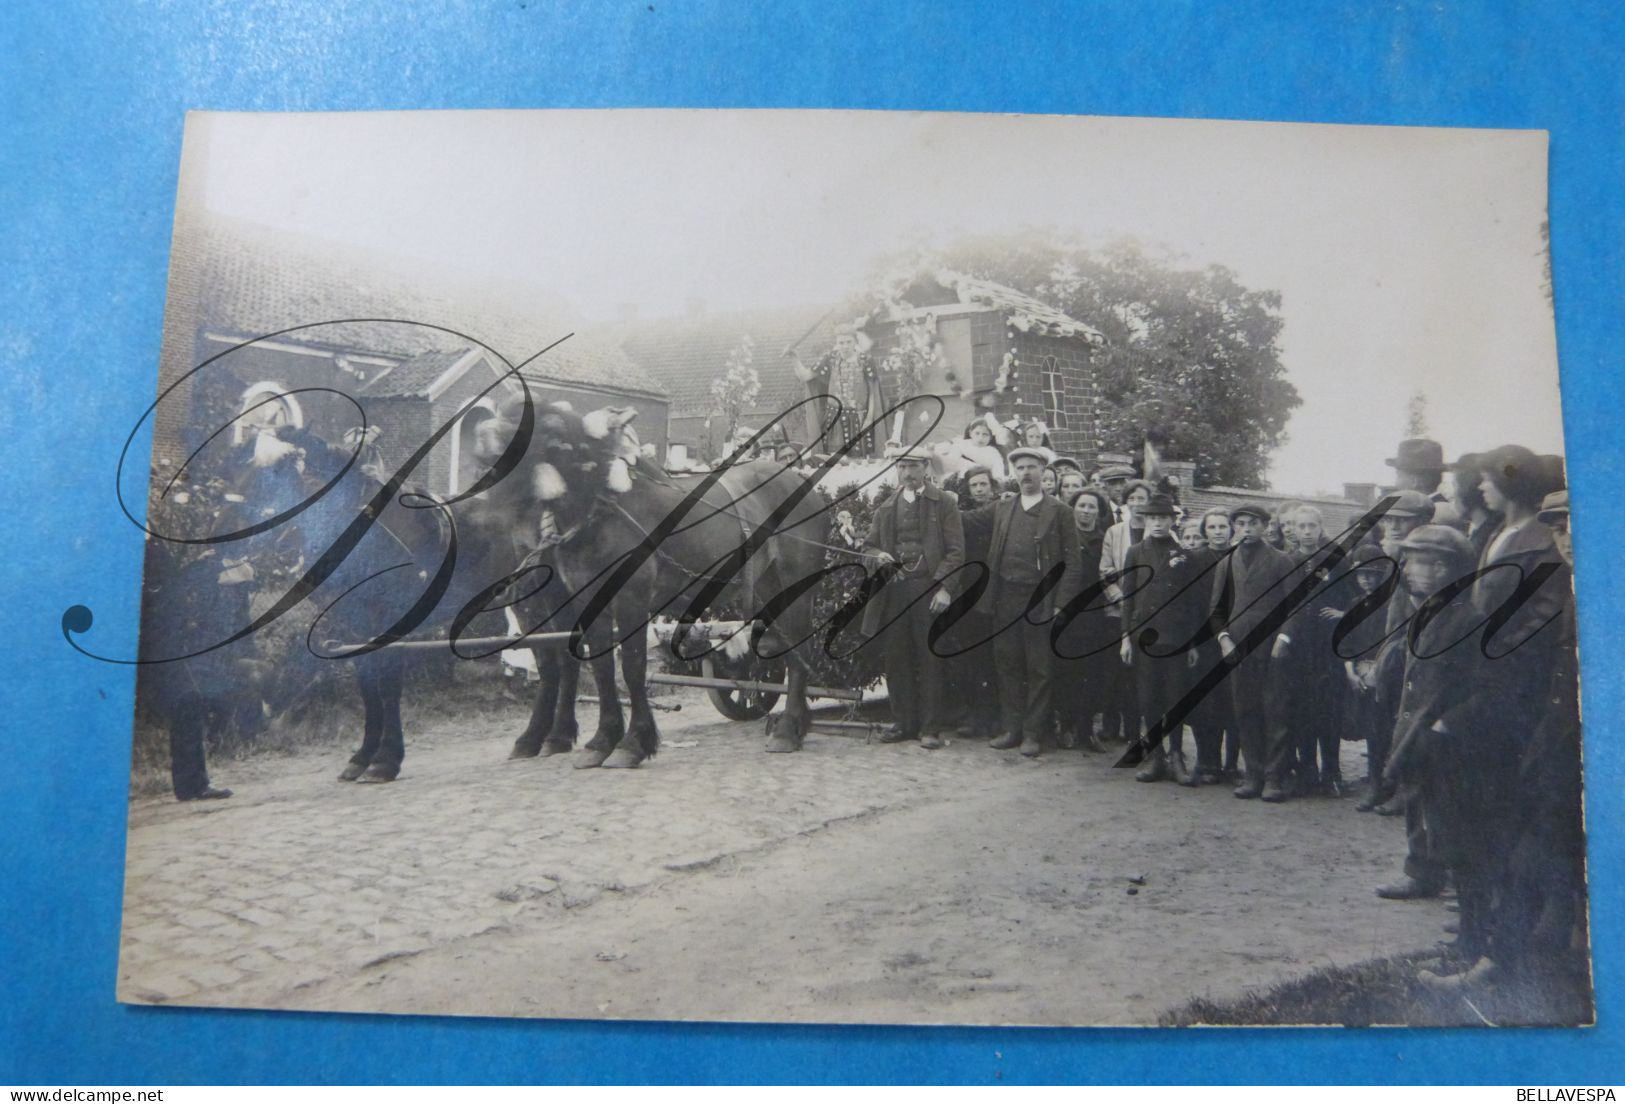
305,892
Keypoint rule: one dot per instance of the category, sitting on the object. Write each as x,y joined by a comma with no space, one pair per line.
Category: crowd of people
1441,638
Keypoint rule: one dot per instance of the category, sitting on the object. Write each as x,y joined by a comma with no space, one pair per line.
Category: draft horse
630,543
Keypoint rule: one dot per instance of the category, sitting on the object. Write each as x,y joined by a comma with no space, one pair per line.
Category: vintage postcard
856,567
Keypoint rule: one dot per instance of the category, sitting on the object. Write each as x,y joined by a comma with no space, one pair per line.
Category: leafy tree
734,391
1416,415
1192,358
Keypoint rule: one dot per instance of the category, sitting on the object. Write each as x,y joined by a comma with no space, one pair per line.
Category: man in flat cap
1036,569
1246,590
917,535
1113,479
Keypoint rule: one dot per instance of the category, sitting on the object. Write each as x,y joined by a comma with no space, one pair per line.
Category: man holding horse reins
917,539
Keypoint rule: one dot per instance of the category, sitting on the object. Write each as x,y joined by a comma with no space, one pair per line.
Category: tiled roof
253,281
1023,311
685,354
414,377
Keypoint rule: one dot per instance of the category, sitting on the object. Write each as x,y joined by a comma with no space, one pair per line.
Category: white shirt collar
1029,501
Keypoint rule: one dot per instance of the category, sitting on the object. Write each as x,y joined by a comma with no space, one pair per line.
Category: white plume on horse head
547,482
620,476
269,450
596,423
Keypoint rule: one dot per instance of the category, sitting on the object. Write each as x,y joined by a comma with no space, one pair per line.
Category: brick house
232,283
987,331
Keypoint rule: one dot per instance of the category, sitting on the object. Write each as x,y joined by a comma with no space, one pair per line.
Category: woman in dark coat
1090,636
1218,741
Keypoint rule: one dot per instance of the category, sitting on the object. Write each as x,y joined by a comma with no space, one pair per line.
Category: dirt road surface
851,882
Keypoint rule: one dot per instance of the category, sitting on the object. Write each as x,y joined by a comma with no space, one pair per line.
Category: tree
1416,415
735,390
1191,358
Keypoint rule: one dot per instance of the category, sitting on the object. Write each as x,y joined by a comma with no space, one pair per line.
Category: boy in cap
1163,610
1246,590
1444,739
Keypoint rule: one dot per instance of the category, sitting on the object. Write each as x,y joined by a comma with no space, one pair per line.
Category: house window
1049,380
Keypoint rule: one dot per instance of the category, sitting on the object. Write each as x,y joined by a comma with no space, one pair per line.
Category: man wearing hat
1036,568
1113,479
849,375
1163,610
1247,588
1545,897
1419,466
916,536
1444,738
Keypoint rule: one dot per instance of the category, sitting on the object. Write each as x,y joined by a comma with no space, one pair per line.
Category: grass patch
1553,991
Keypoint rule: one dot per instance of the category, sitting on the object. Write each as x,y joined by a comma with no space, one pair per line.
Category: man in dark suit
1036,569
917,536
973,691
1247,588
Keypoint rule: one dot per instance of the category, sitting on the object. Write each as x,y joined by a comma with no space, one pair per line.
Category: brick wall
1076,438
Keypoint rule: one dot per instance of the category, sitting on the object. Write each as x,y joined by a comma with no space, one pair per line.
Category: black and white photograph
856,567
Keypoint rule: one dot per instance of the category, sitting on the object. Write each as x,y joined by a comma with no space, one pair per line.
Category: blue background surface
92,98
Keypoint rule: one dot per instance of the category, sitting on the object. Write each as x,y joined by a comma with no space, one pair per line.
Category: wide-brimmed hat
1043,455
1418,455
1411,504
1160,505
1554,506
1441,540
1249,509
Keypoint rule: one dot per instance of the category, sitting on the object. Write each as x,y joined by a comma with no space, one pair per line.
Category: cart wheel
744,705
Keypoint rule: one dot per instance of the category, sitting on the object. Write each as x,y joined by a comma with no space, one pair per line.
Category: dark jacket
1524,651
1057,542
1444,686
942,540
1247,588
1163,590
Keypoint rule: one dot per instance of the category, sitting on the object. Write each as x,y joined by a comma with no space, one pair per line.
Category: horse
630,542
390,571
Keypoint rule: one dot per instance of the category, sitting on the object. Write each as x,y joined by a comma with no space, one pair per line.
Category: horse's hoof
781,742
623,759
524,751
551,748
379,772
351,772
589,757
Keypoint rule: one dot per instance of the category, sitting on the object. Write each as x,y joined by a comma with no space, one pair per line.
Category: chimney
1364,494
